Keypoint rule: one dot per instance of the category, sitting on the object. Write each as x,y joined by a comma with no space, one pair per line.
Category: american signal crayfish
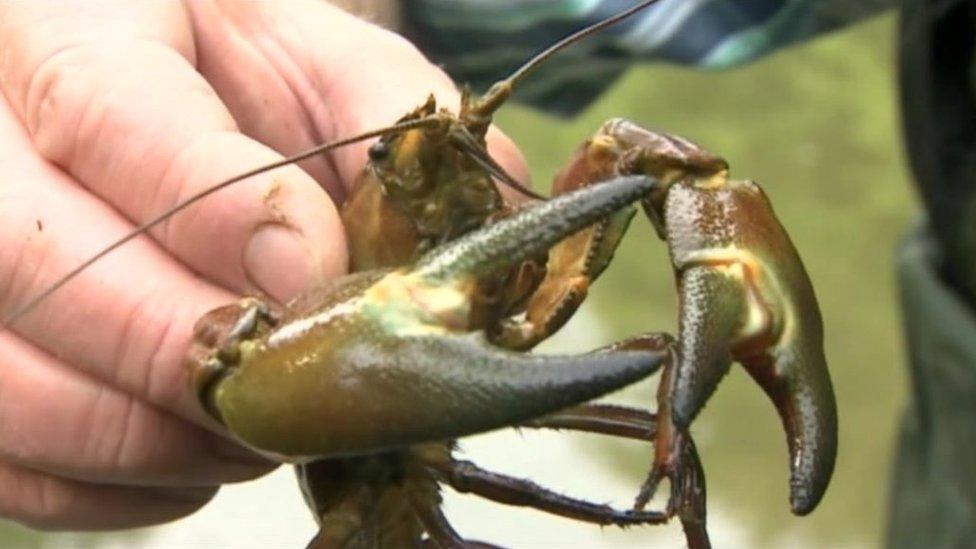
365,383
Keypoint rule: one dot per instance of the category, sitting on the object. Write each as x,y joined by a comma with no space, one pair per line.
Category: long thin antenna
466,143
499,92
31,304
576,36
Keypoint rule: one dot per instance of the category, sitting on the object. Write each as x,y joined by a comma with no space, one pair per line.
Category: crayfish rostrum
366,382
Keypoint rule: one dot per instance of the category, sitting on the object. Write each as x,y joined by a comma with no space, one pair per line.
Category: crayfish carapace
365,383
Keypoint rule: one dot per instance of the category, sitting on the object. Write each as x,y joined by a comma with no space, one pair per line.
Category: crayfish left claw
745,297
726,317
385,392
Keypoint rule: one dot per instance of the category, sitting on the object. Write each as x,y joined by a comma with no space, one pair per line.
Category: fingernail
278,261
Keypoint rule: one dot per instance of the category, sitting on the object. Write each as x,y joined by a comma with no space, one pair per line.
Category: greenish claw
390,359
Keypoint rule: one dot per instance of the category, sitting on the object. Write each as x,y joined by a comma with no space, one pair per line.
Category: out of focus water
817,127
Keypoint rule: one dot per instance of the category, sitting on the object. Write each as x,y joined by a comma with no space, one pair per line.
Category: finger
327,75
49,503
98,434
110,94
125,321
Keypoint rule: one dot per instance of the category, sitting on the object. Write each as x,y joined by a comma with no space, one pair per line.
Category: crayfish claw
799,386
532,231
712,309
757,308
393,391
435,387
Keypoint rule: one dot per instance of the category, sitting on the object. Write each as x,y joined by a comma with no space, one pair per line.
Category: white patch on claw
299,327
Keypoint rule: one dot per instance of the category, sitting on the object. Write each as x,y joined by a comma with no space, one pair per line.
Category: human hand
113,112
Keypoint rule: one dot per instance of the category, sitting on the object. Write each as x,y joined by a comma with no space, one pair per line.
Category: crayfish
366,382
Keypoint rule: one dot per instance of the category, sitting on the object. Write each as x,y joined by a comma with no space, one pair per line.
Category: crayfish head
220,338
431,179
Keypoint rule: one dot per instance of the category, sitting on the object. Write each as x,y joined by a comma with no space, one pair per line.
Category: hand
114,111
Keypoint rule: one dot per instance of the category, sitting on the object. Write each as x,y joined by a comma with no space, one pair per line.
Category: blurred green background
817,126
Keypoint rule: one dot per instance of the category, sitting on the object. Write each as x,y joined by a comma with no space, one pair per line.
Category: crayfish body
386,362
366,383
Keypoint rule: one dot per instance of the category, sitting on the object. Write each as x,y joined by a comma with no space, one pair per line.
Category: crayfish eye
379,151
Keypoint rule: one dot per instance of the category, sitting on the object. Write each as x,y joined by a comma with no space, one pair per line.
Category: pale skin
112,112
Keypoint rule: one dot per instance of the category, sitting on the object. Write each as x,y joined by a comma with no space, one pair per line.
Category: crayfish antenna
31,304
476,114
500,91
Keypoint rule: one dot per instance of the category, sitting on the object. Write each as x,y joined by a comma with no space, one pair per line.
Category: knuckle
133,441
81,99
58,93
110,432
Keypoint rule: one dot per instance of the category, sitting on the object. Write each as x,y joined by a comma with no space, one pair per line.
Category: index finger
110,93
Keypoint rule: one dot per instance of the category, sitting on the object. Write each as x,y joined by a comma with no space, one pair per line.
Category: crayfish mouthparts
384,359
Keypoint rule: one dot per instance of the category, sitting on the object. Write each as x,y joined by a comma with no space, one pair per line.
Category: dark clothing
933,501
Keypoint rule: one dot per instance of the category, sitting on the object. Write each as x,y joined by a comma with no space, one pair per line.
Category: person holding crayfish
113,110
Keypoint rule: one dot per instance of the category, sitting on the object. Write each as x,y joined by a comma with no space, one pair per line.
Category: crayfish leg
601,419
466,477
440,533
676,457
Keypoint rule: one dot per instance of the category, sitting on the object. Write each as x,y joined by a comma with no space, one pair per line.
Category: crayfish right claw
745,297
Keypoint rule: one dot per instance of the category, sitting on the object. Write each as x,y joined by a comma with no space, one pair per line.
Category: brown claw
804,398
788,364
